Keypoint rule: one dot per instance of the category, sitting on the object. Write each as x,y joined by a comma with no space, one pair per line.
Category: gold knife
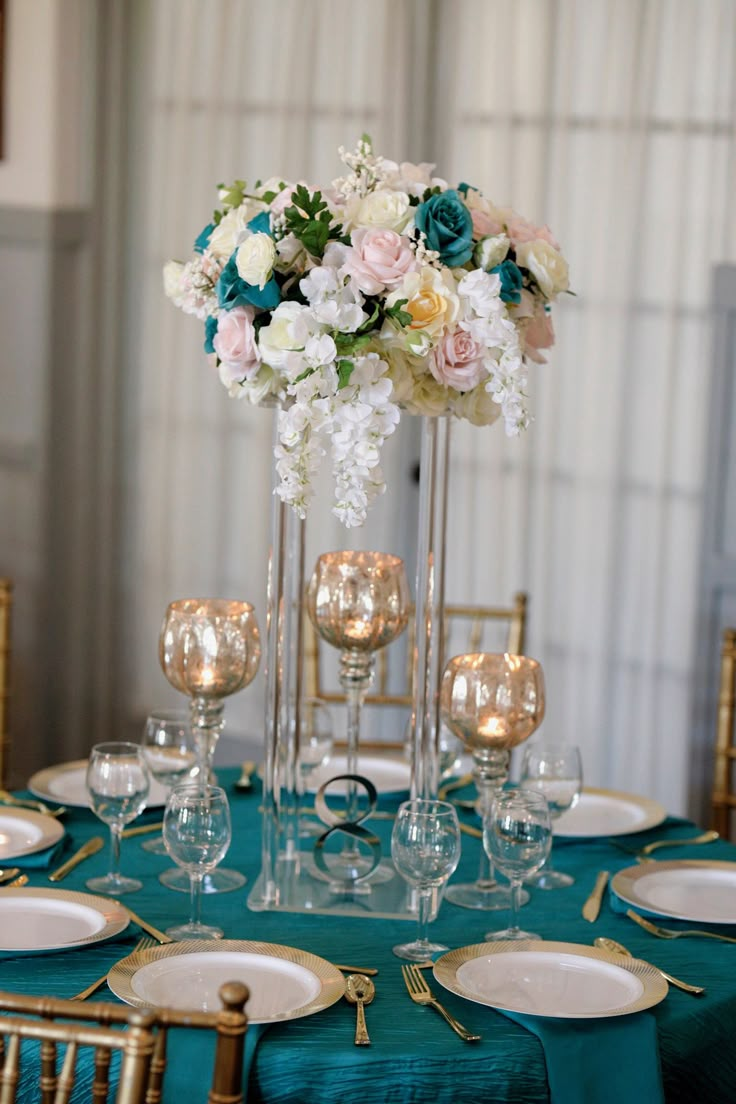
160,936
592,906
142,829
91,847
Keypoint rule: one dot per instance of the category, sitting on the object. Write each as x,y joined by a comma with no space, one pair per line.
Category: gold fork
669,933
420,993
142,945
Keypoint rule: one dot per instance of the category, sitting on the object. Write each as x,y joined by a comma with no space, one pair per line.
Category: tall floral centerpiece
388,291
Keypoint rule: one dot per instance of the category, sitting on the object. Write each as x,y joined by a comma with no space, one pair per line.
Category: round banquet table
414,1055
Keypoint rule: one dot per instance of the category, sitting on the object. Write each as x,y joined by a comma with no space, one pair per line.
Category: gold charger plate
25,832
285,983
36,920
609,813
702,891
553,980
66,783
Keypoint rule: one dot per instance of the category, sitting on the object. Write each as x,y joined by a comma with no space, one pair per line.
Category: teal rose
210,329
511,281
203,238
447,224
233,291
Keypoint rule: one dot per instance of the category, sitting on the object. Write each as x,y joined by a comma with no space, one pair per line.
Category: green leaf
350,343
344,372
366,138
368,325
396,314
309,220
304,375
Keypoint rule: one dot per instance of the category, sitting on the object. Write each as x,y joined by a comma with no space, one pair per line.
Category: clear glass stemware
118,784
170,752
425,848
517,836
197,834
555,770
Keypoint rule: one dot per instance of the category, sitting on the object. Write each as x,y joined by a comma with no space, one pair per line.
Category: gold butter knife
142,829
91,847
592,906
160,936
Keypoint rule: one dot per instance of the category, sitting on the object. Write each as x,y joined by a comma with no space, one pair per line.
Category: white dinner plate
702,890
387,775
284,982
609,813
558,980
66,783
24,832
56,919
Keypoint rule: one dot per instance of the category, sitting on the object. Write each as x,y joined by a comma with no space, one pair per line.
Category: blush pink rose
379,259
483,225
521,230
457,362
235,343
539,334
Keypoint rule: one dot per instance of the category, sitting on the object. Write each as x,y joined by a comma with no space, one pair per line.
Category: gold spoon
618,948
360,991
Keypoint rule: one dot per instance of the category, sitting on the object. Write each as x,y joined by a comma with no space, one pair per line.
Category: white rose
233,227
255,259
173,271
477,406
546,264
489,252
382,209
278,339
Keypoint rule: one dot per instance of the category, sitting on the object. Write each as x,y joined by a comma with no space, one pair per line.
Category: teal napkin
40,860
603,1061
195,1050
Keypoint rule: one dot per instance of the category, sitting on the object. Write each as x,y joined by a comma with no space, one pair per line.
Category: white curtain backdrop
613,121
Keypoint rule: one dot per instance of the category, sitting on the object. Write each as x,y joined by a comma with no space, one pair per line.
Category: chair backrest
6,601
134,1039
724,788
229,1024
474,619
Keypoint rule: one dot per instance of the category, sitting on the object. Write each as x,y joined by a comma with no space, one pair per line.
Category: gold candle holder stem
208,721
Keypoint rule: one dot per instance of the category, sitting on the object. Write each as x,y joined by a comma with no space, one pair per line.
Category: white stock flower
255,259
546,264
320,351
232,228
481,292
191,286
172,279
284,334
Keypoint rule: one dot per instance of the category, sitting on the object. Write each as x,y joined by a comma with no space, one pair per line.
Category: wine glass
197,834
118,784
209,648
316,741
517,836
425,848
555,770
491,702
358,602
169,750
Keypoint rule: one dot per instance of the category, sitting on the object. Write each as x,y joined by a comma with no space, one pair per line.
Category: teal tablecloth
414,1056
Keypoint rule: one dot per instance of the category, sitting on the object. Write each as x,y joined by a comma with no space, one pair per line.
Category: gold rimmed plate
66,783
554,980
285,983
24,832
36,920
609,813
699,890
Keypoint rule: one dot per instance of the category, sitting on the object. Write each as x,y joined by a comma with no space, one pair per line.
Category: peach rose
379,259
520,230
457,362
235,343
539,334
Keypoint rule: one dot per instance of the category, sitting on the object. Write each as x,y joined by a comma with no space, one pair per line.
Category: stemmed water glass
358,602
425,848
517,836
118,784
491,702
169,749
197,834
209,648
555,770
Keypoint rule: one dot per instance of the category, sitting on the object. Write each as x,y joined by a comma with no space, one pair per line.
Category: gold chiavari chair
723,801
6,600
229,1024
470,621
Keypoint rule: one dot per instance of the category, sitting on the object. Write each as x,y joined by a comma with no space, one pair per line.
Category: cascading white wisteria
388,291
